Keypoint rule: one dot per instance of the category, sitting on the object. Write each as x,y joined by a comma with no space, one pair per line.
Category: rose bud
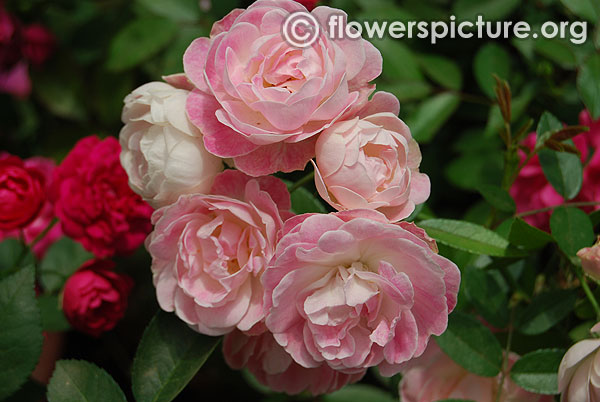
590,260
22,193
95,297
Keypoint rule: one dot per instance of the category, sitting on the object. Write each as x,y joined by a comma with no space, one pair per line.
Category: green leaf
588,84
584,9
431,116
303,201
442,70
456,400
490,59
176,10
359,392
62,259
399,62
527,236
545,311
486,296
547,126
538,371
60,88
407,90
595,217
498,198
557,51
469,237
167,358
471,345
490,9
21,334
53,318
138,41
30,391
81,381
563,170
13,255
572,229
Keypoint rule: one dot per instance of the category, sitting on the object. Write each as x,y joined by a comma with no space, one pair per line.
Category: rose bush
352,291
262,101
210,251
161,150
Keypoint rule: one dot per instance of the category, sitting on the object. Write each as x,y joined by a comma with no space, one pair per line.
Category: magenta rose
260,100
94,202
95,297
434,376
44,218
22,193
371,162
351,290
210,251
531,190
274,367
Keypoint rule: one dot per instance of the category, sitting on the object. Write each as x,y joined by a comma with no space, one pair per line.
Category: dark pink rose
38,43
95,297
38,225
22,193
94,202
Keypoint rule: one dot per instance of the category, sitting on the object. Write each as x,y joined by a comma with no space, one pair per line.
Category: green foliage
588,83
358,392
81,381
545,311
572,229
53,318
13,255
487,295
491,59
62,259
471,345
168,356
431,116
303,201
469,237
538,371
21,335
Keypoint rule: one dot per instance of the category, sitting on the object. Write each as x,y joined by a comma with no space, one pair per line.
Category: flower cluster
306,302
89,196
20,46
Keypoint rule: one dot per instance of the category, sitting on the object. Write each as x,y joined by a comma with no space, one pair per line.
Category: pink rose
94,202
209,252
579,371
38,225
434,376
274,368
351,290
373,163
95,297
590,260
22,193
260,100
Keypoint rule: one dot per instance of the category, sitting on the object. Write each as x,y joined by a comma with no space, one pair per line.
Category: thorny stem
588,292
566,204
43,233
505,358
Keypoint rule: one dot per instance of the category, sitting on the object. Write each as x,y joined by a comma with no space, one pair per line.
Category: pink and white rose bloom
590,260
260,100
371,162
435,376
579,371
209,252
351,290
162,152
274,367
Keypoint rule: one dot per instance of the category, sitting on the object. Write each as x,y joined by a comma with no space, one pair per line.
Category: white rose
162,152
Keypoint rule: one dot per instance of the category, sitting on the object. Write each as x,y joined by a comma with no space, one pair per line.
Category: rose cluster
306,302
86,198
